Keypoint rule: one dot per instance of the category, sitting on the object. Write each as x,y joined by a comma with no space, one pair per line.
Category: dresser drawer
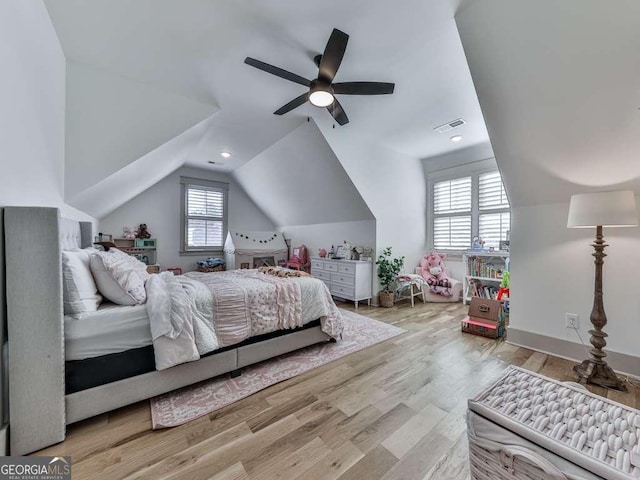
317,265
321,274
342,290
331,267
343,278
348,268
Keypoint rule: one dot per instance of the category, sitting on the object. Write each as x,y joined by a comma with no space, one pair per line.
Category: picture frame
244,266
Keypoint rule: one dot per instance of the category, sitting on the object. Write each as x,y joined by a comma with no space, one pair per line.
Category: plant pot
386,299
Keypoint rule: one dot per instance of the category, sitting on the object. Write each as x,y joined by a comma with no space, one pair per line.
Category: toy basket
217,268
486,318
476,327
591,432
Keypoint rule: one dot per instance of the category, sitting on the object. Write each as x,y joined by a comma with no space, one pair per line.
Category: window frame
473,170
185,184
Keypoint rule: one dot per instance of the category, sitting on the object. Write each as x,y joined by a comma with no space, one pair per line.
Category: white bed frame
39,409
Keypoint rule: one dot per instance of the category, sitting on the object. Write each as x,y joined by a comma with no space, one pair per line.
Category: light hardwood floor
392,411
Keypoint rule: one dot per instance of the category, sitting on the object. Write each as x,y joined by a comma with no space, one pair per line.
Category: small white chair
408,289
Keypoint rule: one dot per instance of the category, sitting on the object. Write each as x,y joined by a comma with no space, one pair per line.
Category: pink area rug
181,406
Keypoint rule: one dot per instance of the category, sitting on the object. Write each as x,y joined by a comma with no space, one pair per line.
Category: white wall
32,116
120,187
463,156
324,235
159,208
299,181
113,121
391,183
552,273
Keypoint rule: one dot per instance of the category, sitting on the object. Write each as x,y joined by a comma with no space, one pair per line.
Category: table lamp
602,209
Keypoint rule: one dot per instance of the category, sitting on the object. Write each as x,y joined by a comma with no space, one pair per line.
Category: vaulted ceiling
559,85
196,48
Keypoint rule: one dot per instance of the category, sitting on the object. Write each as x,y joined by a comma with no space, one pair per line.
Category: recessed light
225,154
456,138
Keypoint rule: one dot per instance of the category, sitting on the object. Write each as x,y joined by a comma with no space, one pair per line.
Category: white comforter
194,314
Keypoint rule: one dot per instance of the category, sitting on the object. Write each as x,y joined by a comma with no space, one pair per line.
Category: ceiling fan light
321,98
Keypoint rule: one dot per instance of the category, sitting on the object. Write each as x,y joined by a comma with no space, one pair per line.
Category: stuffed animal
435,273
128,233
143,232
477,243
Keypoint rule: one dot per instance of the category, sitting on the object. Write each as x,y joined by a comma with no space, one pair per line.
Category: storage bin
550,430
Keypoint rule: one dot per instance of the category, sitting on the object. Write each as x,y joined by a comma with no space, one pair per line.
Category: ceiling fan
321,90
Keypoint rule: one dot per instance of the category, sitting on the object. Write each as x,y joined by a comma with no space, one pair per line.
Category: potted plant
388,269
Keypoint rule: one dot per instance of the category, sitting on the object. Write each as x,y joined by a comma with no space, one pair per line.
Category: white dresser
348,279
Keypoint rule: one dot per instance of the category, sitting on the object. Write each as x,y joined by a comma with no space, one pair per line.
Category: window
204,215
466,206
452,214
492,227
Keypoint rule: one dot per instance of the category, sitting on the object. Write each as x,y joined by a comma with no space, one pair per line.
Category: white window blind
452,233
451,201
491,193
204,216
452,196
493,228
467,206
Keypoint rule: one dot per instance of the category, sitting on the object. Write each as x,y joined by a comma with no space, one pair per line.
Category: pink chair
299,259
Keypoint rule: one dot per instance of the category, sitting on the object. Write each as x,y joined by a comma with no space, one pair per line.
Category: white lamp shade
608,209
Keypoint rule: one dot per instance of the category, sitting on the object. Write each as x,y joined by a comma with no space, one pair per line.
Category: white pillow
80,292
120,277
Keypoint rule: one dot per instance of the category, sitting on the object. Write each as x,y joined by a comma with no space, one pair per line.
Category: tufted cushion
70,238
120,277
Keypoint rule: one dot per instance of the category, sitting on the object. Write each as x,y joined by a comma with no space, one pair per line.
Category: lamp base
599,374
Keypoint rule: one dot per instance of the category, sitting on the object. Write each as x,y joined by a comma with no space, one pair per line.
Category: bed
57,379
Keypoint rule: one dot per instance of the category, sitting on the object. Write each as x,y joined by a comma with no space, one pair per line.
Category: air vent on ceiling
215,163
451,125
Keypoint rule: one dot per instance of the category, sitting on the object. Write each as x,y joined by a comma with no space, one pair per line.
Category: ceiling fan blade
332,56
278,72
336,110
363,88
295,103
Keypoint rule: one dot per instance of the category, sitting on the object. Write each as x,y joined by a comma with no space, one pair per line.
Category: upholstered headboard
74,234
34,239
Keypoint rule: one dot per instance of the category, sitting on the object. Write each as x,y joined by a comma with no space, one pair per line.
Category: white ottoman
526,426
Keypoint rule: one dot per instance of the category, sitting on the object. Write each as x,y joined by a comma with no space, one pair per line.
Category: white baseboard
620,362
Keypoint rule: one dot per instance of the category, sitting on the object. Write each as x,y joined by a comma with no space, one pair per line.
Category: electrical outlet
572,320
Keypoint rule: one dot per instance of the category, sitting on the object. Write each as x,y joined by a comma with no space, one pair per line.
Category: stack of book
477,267
477,289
